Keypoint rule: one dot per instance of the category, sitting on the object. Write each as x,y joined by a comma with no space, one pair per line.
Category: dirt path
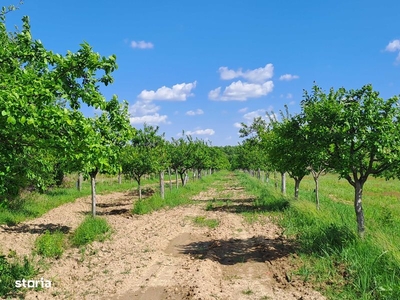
165,255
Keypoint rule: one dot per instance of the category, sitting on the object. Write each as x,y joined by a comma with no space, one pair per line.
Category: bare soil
166,255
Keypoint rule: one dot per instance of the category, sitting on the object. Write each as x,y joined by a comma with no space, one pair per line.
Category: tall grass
334,258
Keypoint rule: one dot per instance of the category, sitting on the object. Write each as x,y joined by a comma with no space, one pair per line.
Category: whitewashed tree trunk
170,181
358,207
119,178
79,182
93,188
140,190
162,191
283,183
296,188
316,192
186,179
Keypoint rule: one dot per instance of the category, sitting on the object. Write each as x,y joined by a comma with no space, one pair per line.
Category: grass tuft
50,244
91,229
11,271
204,222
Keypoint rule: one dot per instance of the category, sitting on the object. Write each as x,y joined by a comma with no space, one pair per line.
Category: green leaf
11,120
22,120
4,113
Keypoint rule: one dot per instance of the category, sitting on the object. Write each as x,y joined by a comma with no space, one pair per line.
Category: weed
203,221
91,229
50,244
10,271
247,291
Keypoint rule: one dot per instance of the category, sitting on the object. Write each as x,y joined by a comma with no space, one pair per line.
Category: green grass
91,229
33,205
333,257
50,244
178,196
204,222
12,270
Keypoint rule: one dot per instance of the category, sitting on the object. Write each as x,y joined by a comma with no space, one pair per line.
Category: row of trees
354,133
44,133
149,152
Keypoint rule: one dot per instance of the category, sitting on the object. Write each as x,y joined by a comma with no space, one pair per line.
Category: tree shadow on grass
37,228
233,251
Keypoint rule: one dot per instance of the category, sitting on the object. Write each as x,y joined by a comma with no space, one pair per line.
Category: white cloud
201,132
393,46
288,77
254,114
289,96
241,91
178,92
143,108
237,125
258,75
144,111
150,119
195,112
142,45
227,74
292,102
243,110
214,94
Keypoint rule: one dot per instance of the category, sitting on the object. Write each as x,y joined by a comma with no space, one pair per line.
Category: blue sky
205,66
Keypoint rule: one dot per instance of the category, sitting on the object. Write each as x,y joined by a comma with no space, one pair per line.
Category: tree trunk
140,190
119,178
170,181
266,176
186,179
275,180
181,175
79,182
283,183
93,186
296,187
258,174
316,191
162,192
199,173
176,178
358,189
